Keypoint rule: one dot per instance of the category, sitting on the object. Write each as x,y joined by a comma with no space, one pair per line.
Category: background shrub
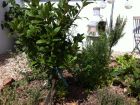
93,64
128,73
42,31
107,97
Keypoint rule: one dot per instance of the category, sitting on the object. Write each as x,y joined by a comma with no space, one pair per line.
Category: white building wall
4,40
126,44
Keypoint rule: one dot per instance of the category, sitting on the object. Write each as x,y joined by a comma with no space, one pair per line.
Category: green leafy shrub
61,92
92,68
8,96
107,97
19,93
93,64
42,31
116,32
128,73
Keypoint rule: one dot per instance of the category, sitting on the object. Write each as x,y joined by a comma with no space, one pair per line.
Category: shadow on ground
3,58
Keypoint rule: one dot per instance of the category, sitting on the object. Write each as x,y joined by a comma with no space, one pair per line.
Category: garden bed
11,67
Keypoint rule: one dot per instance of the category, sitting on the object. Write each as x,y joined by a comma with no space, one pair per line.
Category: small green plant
92,68
116,32
61,92
107,97
128,73
33,96
93,64
19,93
8,96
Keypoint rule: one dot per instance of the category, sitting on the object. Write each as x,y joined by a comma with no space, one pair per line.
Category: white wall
126,44
4,40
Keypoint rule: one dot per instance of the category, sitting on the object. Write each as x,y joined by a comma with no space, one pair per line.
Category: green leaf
56,30
18,42
78,6
29,13
4,4
41,41
137,83
55,40
33,63
36,21
29,33
35,2
85,3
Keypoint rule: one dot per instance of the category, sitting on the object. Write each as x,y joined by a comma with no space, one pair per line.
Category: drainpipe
111,16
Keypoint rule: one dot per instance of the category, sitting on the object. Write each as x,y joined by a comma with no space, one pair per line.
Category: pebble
12,66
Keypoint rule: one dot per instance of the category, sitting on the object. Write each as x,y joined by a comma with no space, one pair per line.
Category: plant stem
49,98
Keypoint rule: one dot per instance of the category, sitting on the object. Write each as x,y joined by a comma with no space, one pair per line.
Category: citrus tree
42,32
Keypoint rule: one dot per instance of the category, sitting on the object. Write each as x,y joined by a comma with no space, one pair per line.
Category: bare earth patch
11,66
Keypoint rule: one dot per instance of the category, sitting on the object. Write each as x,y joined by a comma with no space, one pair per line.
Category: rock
41,103
113,64
1,85
8,81
125,90
73,103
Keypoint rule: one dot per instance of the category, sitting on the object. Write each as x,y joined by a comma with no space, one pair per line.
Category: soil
11,66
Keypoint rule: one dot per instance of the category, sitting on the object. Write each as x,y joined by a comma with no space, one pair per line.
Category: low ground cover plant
23,93
128,74
108,97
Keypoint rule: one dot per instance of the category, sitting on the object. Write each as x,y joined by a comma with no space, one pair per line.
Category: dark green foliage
101,27
42,32
8,96
128,73
93,70
21,93
61,92
117,31
108,97
93,64
4,4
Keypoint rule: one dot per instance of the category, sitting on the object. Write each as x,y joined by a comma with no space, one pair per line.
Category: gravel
11,66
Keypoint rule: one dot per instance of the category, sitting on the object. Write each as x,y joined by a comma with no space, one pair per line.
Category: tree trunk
49,98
